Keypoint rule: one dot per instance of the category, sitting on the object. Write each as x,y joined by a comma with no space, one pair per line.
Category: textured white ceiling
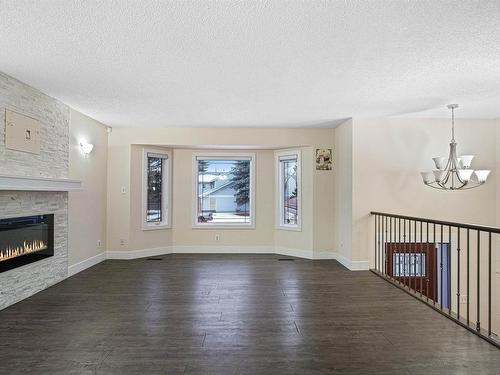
256,63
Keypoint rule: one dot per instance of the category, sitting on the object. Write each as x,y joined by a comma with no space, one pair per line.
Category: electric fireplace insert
25,240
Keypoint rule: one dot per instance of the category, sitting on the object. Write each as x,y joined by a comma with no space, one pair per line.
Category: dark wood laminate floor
233,314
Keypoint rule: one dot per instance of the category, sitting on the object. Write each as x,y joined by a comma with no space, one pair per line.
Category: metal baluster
404,254
409,255
458,273
376,242
385,246
399,251
478,320
441,269
389,252
448,276
435,266
381,243
426,264
414,253
468,273
421,258
489,284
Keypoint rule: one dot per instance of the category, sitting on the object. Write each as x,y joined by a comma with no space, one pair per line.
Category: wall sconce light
86,148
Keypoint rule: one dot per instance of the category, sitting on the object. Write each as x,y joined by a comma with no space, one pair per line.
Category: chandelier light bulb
465,174
439,175
428,177
482,176
466,160
440,162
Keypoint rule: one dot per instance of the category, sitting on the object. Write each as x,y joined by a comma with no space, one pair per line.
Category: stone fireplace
44,264
25,240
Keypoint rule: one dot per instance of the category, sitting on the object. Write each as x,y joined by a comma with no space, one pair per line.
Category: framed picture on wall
324,159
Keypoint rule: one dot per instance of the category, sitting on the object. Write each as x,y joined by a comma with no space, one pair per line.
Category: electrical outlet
98,243
463,298
124,190
217,237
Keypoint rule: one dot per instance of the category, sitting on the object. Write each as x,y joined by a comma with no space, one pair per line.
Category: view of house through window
224,191
154,189
289,190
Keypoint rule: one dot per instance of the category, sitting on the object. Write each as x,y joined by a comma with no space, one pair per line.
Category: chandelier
454,173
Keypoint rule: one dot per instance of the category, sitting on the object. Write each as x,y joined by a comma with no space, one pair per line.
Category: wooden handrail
483,228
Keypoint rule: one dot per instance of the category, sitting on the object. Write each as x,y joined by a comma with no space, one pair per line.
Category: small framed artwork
323,159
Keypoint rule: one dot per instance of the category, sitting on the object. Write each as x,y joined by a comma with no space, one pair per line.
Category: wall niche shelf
19,183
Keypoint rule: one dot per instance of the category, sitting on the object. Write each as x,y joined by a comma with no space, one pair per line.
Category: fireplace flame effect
28,247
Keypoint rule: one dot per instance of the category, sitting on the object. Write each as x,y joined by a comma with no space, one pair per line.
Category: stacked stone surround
53,162
27,280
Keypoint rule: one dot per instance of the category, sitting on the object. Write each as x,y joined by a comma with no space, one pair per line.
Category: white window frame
222,156
166,195
280,222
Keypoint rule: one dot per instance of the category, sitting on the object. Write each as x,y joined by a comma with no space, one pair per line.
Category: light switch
22,133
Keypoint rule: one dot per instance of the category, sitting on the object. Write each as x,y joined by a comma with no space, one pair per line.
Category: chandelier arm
456,165
446,177
466,186
472,186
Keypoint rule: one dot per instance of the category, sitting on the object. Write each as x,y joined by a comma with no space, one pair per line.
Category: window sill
156,227
224,226
293,228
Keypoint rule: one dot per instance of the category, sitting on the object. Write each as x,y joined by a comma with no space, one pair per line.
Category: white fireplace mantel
13,183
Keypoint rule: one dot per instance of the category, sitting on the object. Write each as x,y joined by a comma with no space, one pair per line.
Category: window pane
224,191
289,191
408,264
154,192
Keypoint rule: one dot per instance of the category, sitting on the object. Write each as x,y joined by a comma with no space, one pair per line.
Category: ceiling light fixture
454,173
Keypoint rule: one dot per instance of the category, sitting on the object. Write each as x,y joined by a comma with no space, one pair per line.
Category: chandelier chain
452,124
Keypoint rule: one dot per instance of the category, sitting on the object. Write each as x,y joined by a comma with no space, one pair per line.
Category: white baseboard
353,265
200,249
325,254
299,253
87,263
135,254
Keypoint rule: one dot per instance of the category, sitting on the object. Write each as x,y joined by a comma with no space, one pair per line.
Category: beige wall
124,160
343,189
87,208
388,155
324,204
